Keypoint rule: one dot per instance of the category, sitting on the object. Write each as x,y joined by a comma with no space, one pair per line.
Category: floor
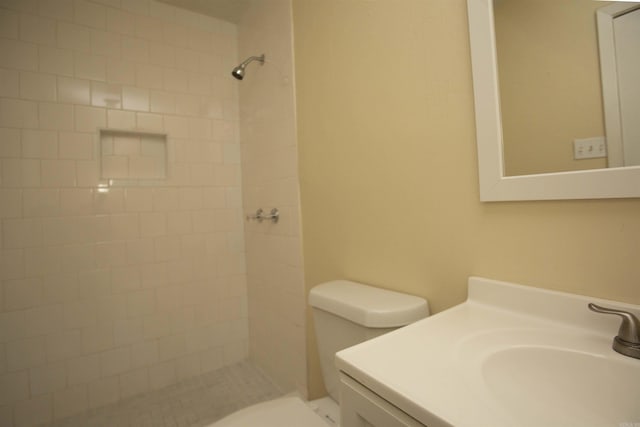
193,403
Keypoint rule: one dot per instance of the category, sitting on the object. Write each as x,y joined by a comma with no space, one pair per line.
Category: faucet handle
628,340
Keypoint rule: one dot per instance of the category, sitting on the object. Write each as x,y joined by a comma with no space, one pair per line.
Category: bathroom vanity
510,355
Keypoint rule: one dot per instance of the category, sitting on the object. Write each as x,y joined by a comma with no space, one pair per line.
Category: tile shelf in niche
132,158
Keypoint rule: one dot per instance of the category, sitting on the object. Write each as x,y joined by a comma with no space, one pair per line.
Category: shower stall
129,158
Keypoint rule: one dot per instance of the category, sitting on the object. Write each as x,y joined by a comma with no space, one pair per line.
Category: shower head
238,72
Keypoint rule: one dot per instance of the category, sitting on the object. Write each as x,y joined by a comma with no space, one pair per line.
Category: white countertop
441,370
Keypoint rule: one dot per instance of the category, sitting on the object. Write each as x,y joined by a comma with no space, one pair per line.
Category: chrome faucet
627,341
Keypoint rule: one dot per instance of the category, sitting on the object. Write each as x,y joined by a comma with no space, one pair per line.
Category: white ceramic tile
9,83
176,35
88,230
90,119
162,102
55,116
103,391
12,264
199,83
106,95
121,72
144,353
70,401
9,24
116,361
58,288
47,378
14,387
35,411
212,107
95,287
149,76
91,67
135,49
42,320
175,80
83,369
97,338
10,146
149,28
202,174
134,382
227,175
162,54
106,43
120,22
187,59
73,145
37,202
150,122
74,91
55,60
25,353
162,374
39,87
63,345
110,254
90,14
139,251
121,119
87,173
58,9
22,293
37,30
10,203
18,113
58,173
139,7
73,36
135,99
153,224
188,105
109,203
20,173
39,261
176,127
117,4
124,227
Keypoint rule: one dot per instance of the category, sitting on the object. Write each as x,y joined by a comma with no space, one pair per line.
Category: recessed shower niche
132,157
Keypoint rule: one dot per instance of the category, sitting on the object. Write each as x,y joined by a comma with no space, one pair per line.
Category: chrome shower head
238,72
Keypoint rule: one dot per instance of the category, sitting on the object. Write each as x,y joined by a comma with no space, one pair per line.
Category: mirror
550,82
543,184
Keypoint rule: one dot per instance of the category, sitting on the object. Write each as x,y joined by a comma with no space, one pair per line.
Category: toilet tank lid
366,305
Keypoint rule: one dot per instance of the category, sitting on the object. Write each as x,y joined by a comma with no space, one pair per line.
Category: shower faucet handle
260,215
627,341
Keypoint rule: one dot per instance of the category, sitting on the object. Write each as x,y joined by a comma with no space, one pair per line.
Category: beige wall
389,181
550,90
270,179
106,295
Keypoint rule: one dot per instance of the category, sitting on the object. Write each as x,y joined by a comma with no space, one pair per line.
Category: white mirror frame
494,186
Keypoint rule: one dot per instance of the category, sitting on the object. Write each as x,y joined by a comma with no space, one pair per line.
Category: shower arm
253,58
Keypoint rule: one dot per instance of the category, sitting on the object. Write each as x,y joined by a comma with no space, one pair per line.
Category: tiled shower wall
110,294
270,179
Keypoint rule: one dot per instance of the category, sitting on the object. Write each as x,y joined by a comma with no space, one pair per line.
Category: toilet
345,313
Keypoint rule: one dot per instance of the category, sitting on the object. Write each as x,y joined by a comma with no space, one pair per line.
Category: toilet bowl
274,413
345,314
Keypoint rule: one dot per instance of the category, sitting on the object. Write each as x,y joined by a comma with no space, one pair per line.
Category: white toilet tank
347,313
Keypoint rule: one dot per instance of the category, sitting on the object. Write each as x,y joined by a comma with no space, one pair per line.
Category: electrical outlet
589,148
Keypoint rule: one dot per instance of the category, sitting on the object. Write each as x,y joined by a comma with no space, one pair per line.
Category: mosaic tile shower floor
196,402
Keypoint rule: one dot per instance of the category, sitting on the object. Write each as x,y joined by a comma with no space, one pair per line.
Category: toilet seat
274,413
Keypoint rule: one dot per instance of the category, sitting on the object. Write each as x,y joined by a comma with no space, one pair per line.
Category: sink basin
509,356
594,390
